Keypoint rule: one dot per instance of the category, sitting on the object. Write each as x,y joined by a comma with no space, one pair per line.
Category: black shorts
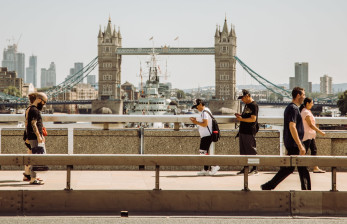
205,143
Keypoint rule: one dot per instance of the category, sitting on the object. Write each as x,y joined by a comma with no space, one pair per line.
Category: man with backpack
248,127
204,123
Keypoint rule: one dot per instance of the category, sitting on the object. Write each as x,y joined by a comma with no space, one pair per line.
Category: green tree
180,94
12,90
342,103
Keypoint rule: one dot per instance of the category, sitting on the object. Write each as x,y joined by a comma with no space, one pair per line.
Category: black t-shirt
34,114
292,114
249,127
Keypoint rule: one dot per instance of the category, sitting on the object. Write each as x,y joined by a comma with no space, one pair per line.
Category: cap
42,96
197,102
244,93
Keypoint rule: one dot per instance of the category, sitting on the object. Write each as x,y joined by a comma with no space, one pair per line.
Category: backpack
215,135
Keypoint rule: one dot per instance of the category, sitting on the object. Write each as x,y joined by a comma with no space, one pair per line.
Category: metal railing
156,118
175,160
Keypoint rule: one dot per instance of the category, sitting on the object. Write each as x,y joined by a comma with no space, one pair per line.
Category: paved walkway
169,180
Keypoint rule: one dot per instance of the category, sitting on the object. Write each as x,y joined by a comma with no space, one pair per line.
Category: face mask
40,106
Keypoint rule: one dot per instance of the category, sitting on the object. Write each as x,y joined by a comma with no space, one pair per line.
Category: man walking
34,129
204,123
248,127
293,133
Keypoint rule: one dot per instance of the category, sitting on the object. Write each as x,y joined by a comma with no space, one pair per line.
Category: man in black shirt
248,127
34,129
293,133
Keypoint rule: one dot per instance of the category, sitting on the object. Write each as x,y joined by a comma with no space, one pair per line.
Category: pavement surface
169,180
171,220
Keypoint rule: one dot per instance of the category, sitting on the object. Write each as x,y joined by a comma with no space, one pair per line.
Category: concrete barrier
160,141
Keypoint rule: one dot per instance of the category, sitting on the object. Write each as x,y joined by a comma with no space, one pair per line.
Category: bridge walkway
169,180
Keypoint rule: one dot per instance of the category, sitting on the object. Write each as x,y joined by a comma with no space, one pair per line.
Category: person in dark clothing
293,133
248,127
34,129
32,98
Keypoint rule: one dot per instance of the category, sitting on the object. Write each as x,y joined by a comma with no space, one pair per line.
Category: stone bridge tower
109,95
109,63
225,77
225,50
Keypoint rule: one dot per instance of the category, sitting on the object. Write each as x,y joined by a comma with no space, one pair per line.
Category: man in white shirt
204,123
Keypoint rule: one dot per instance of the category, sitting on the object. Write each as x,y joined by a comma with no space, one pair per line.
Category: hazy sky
271,35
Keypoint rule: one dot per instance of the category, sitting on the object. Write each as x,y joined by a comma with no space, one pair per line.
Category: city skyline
271,35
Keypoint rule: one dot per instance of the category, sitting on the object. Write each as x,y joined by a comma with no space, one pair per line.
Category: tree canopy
13,91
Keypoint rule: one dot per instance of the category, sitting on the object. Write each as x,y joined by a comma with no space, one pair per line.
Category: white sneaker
203,173
214,170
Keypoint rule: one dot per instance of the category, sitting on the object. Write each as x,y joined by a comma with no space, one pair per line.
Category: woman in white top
310,130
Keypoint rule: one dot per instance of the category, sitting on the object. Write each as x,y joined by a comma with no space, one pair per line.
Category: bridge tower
109,95
225,50
109,63
225,74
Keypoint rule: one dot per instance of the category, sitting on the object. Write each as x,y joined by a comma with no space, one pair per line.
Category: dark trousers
248,145
285,171
311,144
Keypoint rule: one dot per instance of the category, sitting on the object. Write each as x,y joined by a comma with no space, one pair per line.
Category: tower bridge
110,52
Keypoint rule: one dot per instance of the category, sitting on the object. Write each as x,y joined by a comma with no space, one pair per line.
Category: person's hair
306,101
296,91
32,97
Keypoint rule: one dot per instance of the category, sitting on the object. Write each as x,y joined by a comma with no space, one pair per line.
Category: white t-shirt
203,131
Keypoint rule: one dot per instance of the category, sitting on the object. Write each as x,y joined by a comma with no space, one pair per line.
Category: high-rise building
225,50
31,71
326,83
109,63
76,69
14,61
91,79
291,83
48,76
301,76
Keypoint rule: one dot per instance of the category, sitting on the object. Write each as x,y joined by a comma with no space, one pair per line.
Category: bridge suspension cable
264,82
73,80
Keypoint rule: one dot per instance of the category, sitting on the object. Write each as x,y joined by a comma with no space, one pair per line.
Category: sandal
37,182
319,171
27,177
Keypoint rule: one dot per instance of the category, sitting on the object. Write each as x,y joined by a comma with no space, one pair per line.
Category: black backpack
215,135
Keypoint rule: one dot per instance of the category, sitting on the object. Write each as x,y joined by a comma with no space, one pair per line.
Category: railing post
176,126
141,133
333,179
157,178
245,178
106,126
68,178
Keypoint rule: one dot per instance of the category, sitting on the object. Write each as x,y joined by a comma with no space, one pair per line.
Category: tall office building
301,76
31,71
326,83
14,61
48,76
291,83
76,69
91,79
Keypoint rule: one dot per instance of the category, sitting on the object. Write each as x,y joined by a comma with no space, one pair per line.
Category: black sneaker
266,187
240,172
